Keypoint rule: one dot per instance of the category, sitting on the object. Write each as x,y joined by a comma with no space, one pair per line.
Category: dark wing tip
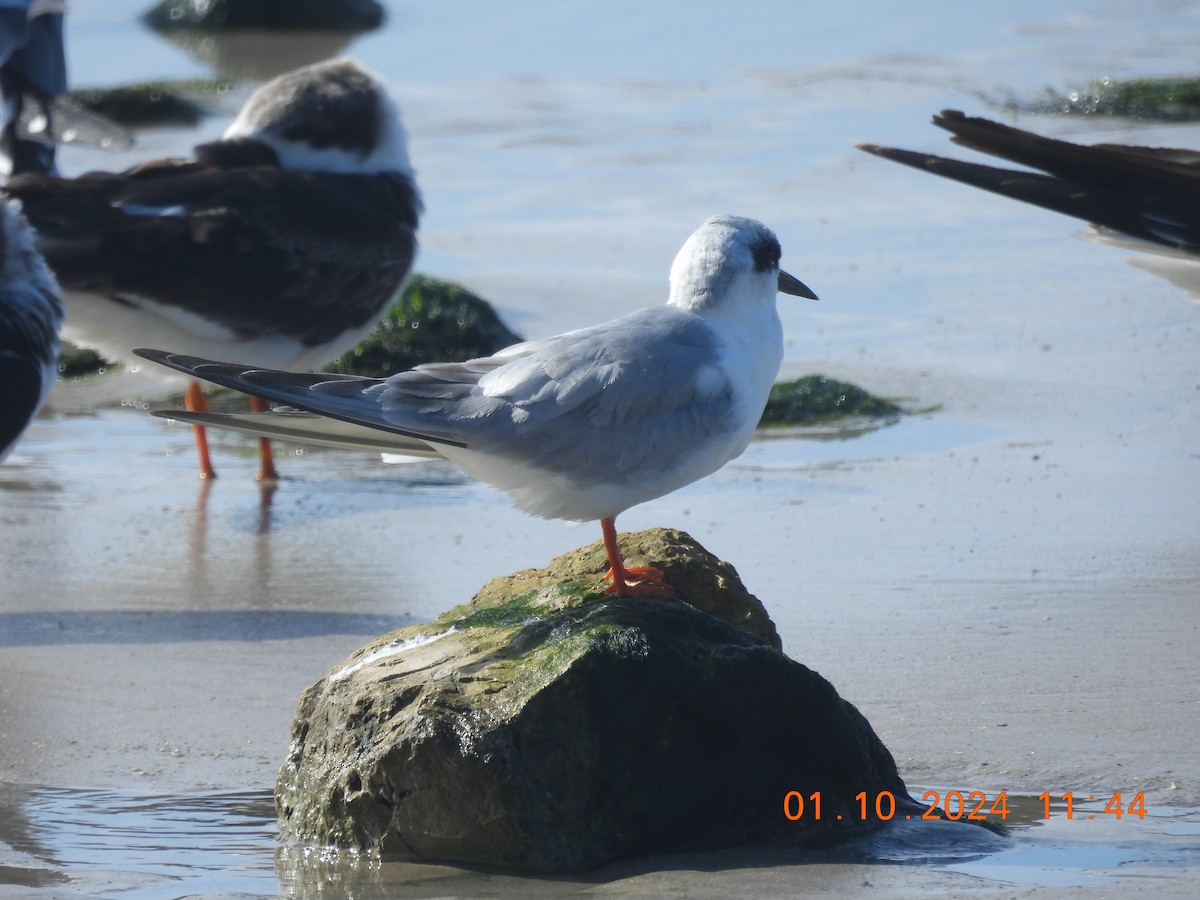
895,154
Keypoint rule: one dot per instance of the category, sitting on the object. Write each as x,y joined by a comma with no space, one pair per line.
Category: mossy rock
296,15
1154,99
81,362
434,321
815,398
545,727
150,102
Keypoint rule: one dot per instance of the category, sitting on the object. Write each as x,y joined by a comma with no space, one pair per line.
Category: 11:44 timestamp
1114,807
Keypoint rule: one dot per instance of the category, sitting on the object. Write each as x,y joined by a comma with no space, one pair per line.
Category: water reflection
137,845
137,627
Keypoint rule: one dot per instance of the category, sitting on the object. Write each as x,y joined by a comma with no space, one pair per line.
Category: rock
1150,99
159,103
323,15
434,321
547,728
815,398
79,362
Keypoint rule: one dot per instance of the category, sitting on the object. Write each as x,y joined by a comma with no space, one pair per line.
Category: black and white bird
31,314
282,243
580,426
1141,198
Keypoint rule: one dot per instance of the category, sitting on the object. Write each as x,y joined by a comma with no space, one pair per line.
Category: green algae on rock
434,321
815,398
546,727
81,362
1154,99
150,102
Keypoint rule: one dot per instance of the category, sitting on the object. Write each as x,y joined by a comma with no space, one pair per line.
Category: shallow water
1005,585
121,843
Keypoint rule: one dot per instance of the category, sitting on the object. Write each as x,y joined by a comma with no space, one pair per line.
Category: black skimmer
31,314
1149,194
280,244
581,426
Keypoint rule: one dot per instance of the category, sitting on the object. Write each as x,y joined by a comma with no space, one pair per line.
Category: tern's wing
346,398
628,398
288,424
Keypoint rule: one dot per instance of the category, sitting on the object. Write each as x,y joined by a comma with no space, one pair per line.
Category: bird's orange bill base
266,468
635,581
195,401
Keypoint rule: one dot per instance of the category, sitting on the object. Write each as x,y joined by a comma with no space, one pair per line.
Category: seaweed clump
815,398
1153,99
149,102
434,321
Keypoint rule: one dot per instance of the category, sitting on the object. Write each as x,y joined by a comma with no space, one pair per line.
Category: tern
281,244
580,426
31,314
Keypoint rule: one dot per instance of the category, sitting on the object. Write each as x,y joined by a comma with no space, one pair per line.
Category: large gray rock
547,728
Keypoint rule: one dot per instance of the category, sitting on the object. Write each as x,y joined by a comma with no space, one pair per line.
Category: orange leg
266,469
195,401
637,581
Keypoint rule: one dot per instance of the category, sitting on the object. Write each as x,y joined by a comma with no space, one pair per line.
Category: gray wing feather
350,398
637,391
306,428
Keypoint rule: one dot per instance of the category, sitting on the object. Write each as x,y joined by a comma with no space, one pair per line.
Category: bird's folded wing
349,398
1110,166
306,428
1165,217
260,251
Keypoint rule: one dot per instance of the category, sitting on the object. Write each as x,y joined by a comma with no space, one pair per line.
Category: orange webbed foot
639,581
630,581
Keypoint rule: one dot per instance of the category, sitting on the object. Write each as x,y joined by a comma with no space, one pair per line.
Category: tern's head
730,257
334,116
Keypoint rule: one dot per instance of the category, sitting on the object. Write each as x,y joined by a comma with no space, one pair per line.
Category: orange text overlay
974,806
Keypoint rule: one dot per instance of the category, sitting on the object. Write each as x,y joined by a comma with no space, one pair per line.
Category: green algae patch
151,103
81,362
1152,99
516,611
816,399
434,321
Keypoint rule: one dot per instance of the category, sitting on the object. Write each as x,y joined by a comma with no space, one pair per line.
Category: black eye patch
766,252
